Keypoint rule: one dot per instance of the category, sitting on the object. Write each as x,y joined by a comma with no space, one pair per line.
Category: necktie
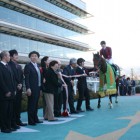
6,66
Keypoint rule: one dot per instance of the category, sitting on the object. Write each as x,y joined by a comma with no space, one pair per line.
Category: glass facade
43,4
33,23
25,45
78,3
37,24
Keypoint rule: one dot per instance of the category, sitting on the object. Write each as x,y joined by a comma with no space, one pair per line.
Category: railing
92,83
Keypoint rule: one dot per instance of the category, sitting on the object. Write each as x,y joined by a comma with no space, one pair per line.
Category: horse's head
99,62
96,60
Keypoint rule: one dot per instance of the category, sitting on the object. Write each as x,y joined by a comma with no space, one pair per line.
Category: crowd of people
48,81
127,86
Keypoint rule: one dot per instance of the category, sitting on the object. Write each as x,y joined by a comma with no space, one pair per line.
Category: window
24,45
15,43
32,45
5,42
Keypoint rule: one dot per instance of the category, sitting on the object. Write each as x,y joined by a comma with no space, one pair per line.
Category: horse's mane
100,62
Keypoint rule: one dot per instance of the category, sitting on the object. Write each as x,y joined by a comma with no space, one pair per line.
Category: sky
118,23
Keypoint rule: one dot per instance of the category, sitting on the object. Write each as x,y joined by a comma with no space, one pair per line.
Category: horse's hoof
116,102
111,106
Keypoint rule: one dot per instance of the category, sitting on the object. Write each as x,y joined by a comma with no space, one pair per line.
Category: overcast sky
118,23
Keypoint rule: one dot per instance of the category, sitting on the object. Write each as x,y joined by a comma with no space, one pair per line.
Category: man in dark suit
123,86
133,83
82,86
69,71
33,87
18,74
7,94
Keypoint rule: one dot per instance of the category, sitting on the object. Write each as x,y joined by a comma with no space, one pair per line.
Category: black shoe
6,130
33,124
39,121
13,129
89,109
80,110
57,115
45,119
74,112
22,124
53,120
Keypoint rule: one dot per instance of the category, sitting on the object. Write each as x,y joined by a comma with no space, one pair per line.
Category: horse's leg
110,102
116,98
99,101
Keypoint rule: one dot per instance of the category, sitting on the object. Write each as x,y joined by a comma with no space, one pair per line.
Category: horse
108,79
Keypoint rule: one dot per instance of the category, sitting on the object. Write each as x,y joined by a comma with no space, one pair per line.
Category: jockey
106,52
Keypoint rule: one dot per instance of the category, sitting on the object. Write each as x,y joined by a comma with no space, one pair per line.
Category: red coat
106,53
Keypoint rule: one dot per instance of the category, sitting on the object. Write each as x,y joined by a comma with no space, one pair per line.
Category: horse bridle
99,63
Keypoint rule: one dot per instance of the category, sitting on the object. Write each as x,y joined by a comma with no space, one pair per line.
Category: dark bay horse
108,77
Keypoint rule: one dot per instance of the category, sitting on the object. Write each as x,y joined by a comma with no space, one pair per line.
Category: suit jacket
82,80
133,83
52,83
7,82
123,82
68,71
106,53
31,77
18,73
